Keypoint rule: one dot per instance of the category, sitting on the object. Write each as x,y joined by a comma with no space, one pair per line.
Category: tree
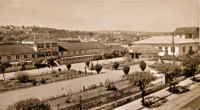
141,80
38,64
142,65
3,66
115,53
115,65
21,65
30,104
97,57
98,67
69,66
190,52
51,63
169,71
191,63
87,63
126,69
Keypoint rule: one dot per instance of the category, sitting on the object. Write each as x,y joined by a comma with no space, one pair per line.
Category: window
160,48
54,45
40,45
8,57
17,56
25,56
61,53
183,49
190,47
172,49
33,55
0,58
47,45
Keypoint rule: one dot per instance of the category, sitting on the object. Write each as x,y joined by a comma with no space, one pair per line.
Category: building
17,52
45,47
144,52
182,44
81,48
79,52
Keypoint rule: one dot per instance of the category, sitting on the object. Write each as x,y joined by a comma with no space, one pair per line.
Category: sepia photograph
99,55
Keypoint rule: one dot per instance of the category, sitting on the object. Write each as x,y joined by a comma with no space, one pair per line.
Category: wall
21,58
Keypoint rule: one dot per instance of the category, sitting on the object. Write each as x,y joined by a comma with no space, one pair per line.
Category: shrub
87,63
115,65
68,66
43,81
98,67
29,104
59,69
22,77
142,65
34,82
126,69
154,101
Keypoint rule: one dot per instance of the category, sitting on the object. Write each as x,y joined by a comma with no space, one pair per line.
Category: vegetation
170,71
115,65
3,66
29,104
38,64
98,67
141,80
21,65
97,57
154,101
191,65
126,69
142,65
69,66
87,63
22,77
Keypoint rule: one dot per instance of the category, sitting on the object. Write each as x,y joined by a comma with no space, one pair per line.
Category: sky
132,15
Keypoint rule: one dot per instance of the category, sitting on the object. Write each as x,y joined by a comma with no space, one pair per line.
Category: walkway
175,101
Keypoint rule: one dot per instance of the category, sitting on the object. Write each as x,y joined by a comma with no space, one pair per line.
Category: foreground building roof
16,49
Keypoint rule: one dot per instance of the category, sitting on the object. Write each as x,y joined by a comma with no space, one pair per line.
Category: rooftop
186,30
16,49
165,40
143,49
80,45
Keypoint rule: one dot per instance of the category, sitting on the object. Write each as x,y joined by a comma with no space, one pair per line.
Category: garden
25,80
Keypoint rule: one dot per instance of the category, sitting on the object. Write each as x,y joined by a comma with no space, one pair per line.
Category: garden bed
37,80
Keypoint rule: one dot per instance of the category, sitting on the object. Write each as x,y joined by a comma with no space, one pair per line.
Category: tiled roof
164,40
16,49
186,30
81,45
143,49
